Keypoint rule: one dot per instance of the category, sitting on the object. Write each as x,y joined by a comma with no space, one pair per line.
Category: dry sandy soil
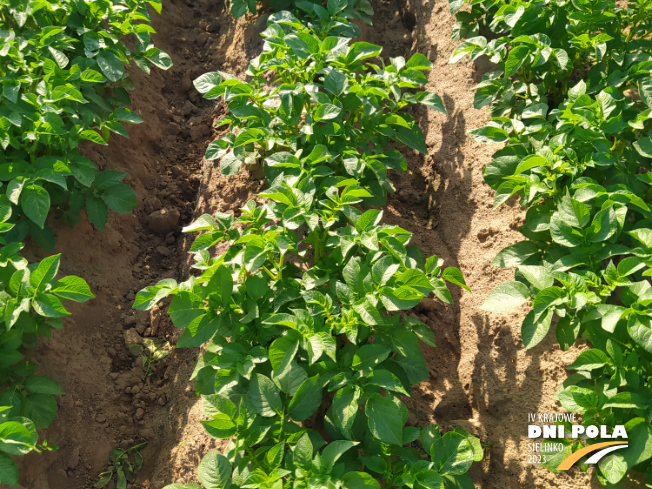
481,377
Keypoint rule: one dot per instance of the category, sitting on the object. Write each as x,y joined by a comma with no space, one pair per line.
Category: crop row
572,100
62,82
298,309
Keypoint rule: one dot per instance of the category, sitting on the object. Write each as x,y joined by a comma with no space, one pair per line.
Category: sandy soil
481,377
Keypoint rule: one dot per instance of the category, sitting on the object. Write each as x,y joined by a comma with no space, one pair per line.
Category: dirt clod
131,336
163,220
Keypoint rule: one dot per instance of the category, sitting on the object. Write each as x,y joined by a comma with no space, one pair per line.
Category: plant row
298,299
63,80
572,101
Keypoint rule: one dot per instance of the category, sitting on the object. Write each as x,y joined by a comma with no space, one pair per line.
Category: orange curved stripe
568,463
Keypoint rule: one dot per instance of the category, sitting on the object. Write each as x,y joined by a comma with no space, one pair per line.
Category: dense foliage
572,101
63,81
354,9
298,309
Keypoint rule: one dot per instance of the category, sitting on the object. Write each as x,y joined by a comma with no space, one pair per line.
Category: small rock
130,321
163,221
156,319
173,128
199,131
128,390
161,401
428,304
114,375
100,418
131,336
186,82
148,332
74,458
131,296
163,250
202,39
140,412
188,108
135,389
170,240
153,204
177,171
141,327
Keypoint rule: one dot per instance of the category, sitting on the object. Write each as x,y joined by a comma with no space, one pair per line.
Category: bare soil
481,376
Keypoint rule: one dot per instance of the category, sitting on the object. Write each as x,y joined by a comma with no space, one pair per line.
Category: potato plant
572,101
62,81
354,9
31,304
298,300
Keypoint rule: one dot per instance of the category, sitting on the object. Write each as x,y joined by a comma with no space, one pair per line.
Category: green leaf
49,306
489,134
644,146
454,276
207,81
359,480
613,467
220,286
385,420
640,330
515,254
336,6
110,65
41,384
432,101
368,356
303,453
45,272
535,328
515,59
35,203
282,352
639,433
11,89
265,396
184,308
120,198
336,82
72,288
418,62
8,470
590,360
159,58
567,331
345,408
40,408
15,438
386,380
645,90
327,112
452,454
306,399
333,452
97,211
214,471
506,296
412,137
93,136
362,50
